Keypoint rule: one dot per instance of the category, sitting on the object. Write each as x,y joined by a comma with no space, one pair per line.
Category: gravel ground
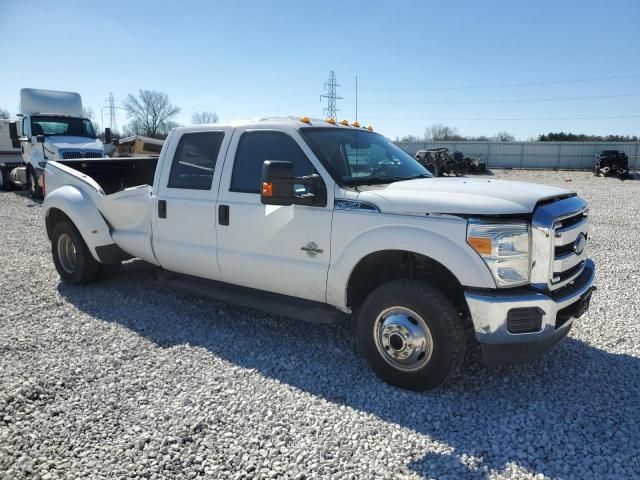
128,379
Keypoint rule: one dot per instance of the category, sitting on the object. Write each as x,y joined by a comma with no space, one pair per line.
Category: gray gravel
128,379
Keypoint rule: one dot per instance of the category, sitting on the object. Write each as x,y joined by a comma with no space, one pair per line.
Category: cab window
195,160
257,146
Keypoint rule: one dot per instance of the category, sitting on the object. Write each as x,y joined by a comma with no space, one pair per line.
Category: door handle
223,214
162,209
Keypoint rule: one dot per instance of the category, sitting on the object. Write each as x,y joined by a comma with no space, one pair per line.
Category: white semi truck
315,220
52,127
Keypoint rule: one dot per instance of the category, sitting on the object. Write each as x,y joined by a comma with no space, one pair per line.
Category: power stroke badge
312,249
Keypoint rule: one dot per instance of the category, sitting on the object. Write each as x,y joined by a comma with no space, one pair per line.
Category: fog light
524,320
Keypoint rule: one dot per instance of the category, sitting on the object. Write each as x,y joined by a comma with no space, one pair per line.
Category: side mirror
107,135
13,134
277,183
278,186
40,138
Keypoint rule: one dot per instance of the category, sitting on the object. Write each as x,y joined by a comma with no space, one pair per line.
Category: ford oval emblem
580,244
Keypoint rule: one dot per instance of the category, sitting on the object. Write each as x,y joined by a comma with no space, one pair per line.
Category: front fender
443,240
79,207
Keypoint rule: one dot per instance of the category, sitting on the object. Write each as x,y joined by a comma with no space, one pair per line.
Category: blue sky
414,60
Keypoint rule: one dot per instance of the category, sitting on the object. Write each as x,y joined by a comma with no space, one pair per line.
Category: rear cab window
194,161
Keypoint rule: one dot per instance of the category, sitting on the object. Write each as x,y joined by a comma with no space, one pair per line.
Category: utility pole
330,87
112,113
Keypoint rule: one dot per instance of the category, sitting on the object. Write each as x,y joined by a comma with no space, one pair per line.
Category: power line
594,117
504,85
528,100
330,86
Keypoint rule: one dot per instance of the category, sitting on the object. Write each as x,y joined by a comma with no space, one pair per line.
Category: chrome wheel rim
403,338
67,253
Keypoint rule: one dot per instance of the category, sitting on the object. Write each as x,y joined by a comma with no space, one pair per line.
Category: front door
281,249
184,233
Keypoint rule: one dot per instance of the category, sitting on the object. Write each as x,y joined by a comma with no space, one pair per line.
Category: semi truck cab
52,127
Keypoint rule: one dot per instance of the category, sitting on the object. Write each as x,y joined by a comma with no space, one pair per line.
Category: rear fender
79,207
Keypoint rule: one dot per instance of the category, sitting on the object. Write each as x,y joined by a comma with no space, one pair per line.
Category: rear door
184,233
281,249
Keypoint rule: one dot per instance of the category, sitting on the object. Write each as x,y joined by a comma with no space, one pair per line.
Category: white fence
545,155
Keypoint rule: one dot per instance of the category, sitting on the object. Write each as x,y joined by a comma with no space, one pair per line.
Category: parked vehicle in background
440,162
52,127
612,163
314,220
10,156
137,145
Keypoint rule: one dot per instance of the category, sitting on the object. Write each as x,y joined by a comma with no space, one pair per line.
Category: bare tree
151,113
4,113
411,139
438,131
503,136
204,117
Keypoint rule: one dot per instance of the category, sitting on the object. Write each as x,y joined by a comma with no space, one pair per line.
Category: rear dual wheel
72,258
411,335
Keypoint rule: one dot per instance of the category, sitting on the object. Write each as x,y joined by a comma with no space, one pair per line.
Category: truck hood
468,196
73,143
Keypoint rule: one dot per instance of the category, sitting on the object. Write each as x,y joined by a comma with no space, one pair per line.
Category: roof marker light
345,123
370,128
355,124
332,121
305,120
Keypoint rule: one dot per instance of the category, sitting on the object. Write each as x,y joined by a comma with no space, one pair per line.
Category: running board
274,303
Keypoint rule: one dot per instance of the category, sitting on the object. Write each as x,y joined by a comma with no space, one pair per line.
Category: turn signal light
345,123
267,189
482,245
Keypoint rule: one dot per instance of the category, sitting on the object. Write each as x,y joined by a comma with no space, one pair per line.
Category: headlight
505,249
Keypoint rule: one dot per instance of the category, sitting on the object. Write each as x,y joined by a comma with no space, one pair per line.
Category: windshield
68,126
360,157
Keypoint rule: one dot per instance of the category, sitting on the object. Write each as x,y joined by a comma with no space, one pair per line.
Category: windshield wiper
385,179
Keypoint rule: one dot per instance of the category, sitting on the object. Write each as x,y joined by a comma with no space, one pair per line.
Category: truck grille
559,238
73,154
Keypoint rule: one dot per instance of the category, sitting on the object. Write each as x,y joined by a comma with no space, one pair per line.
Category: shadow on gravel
574,413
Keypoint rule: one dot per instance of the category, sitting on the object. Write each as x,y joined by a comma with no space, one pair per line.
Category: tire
108,270
401,310
5,180
32,184
71,256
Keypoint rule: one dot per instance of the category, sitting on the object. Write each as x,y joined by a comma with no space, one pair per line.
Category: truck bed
116,174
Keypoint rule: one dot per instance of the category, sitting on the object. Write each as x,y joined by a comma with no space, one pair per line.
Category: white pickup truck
317,220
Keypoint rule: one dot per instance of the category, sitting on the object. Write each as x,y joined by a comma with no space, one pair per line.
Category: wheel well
55,216
387,265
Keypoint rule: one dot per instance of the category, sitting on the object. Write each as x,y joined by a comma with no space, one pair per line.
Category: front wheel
32,183
71,256
411,335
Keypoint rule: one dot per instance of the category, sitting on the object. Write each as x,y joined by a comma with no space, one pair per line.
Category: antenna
356,172
330,87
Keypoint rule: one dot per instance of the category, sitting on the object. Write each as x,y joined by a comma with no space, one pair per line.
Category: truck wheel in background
411,335
32,184
5,180
71,256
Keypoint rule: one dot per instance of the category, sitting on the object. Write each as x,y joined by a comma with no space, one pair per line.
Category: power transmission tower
330,86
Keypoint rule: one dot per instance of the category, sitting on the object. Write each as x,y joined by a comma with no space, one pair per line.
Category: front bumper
489,312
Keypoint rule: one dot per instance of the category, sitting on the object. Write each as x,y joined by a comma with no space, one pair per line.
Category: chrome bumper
489,310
